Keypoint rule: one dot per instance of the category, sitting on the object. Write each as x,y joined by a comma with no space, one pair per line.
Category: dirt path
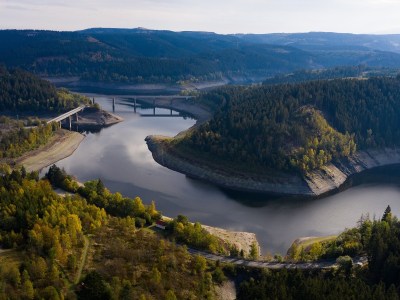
83,259
62,145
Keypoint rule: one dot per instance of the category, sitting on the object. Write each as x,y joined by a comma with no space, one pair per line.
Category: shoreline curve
327,180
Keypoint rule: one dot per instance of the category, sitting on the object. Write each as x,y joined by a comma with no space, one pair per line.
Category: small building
161,224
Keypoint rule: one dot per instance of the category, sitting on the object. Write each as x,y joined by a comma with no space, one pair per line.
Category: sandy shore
62,145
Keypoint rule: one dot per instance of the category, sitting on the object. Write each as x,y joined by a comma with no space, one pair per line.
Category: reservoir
118,155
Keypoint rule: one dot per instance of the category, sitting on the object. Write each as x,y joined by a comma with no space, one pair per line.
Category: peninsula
292,138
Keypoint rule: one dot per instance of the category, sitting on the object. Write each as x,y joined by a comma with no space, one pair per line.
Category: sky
221,16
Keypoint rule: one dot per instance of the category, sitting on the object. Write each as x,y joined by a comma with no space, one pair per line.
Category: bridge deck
67,114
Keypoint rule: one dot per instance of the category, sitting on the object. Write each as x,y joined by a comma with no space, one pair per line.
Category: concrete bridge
68,115
162,101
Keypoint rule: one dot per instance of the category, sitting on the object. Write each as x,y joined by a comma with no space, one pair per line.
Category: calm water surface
119,156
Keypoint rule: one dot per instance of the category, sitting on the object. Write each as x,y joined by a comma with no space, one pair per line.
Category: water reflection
119,156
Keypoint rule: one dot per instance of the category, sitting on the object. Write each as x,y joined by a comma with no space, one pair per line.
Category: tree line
19,140
23,91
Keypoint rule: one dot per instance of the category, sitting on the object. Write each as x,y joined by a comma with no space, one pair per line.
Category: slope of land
62,145
305,139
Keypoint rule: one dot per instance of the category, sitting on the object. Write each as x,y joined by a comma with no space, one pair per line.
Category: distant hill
142,55
328,41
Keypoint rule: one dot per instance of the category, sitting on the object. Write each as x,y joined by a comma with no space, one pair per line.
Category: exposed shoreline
62,145
329,179
64,142
240,239
92,118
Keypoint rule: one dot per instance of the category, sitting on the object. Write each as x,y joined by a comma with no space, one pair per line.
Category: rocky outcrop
333,176
316,183
94,118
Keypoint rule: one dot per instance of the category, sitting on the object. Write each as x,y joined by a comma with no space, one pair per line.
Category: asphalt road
275,265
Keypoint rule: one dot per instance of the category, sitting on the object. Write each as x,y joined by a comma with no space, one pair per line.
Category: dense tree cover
20,140
379,240
47,236
22,91
139,264
195,236
301,126
46,231
163,56
324,74
297,284
179,229
96,193
361,71
137,57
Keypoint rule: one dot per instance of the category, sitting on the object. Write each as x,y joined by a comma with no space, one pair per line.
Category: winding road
326,264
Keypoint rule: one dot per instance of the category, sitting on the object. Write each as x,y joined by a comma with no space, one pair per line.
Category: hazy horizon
189,30
223,17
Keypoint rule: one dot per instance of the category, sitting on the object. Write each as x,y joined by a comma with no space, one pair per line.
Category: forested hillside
300,126
47,239
23,91
44,245
141,55
361,71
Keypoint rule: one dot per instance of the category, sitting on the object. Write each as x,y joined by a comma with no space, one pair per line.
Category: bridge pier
70,123
134,105
113,104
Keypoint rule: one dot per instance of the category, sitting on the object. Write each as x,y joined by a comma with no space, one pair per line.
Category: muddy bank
317,183
281,184
62,145
92,118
